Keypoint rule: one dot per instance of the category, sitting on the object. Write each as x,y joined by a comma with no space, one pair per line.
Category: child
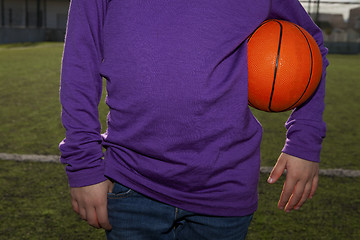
182,147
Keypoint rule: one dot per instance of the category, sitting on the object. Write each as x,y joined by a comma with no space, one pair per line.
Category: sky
337,7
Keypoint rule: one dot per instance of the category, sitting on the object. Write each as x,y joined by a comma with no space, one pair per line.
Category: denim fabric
134,216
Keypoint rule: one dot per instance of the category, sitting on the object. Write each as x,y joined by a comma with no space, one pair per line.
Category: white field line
27,157
56,159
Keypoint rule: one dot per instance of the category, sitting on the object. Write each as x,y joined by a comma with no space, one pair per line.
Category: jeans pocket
120,191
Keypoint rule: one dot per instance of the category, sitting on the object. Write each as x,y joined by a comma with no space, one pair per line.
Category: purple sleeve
305,126
80,93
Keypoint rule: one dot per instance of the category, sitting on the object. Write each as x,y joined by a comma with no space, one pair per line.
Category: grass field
34,199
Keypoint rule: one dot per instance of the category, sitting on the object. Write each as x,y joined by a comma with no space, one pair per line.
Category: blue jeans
134,216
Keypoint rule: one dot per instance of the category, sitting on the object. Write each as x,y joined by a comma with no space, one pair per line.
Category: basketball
284,66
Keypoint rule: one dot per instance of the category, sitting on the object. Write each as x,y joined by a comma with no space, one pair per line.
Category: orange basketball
284,66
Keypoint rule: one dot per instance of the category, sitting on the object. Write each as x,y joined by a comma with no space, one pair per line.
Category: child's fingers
82,213
314,186
300,192
288,187
296,196
75,205
103,218
277,171
92,218
304,197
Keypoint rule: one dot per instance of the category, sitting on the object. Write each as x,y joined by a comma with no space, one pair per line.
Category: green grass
342,113
30,109
29,98
35,204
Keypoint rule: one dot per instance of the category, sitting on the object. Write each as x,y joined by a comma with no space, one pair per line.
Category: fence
343,47
13,35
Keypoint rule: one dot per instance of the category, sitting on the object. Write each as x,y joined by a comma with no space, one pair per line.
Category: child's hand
301,180
90,203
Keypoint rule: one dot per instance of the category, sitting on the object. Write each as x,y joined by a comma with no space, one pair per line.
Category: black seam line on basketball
311,69
276,65
248,39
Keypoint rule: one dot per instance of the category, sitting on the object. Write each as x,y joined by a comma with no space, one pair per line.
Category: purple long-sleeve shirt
179,126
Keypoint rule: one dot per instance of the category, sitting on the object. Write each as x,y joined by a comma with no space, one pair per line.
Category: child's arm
80,94
305,127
